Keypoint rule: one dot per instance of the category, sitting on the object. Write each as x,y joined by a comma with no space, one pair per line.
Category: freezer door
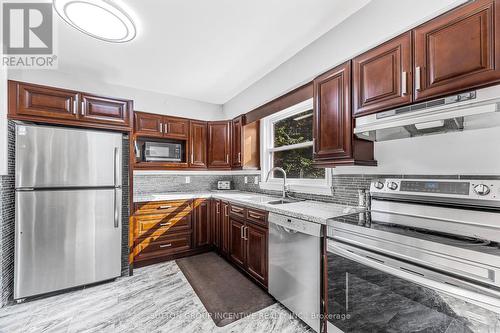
66,238
64,157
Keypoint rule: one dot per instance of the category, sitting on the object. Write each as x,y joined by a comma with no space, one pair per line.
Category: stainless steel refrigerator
68,208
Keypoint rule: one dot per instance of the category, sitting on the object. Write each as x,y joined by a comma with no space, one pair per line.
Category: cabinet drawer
179,207
149,247
161,225
257,216
237,211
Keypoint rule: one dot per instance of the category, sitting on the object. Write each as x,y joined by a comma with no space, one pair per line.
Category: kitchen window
287,142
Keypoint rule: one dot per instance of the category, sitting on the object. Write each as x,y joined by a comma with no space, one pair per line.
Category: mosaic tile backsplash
344,187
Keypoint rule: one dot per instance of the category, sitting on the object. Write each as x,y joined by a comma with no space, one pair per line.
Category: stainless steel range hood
467,111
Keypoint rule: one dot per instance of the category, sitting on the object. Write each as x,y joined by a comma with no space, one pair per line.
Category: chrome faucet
285,189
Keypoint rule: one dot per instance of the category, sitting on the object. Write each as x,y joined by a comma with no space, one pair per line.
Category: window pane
293,130
297,164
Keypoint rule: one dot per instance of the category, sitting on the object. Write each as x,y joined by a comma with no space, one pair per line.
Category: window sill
297,188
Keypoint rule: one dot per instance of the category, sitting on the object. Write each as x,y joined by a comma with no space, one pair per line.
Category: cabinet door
176,128
103,110
216,223
382,76
219,148
198,144
256,252
237,242
44,102
236,161
147,124
225,228
332,115
201,222
458,50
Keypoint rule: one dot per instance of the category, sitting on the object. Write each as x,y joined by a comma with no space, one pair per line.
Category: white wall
375,23
474,152
143,100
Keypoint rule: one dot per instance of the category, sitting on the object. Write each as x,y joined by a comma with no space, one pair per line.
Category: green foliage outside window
296,162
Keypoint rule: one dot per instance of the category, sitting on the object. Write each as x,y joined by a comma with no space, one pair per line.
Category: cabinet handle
403,84
165,224
192,158
75,106
167,129
218,209
242,231
239,157
245,234
417,78
227,158
236,209
166,245
164,207
225,211
161,127
254,216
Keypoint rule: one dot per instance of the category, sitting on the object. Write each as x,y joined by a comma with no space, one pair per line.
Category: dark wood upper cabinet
198,144
334,142
458,50
236,241
42,102
382,76
245,145
176,128
256,252
105,110
202,225
32,102
148,124
219,144
332,111
237,158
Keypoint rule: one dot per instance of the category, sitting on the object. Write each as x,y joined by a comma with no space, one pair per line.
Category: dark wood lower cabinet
202,225
236,241
167,230
225,227
256,252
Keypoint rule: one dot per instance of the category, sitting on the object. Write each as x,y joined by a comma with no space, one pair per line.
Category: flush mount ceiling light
101,19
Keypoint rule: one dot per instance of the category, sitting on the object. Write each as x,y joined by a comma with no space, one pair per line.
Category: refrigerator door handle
116,165
117,202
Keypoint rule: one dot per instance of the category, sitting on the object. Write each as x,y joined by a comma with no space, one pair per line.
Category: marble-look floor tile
155,299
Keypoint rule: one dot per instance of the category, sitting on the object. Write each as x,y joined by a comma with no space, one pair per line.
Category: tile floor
156,299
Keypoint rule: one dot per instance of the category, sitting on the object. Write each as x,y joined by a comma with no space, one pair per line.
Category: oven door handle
417,276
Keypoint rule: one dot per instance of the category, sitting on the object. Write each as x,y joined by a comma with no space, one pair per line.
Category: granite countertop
308,210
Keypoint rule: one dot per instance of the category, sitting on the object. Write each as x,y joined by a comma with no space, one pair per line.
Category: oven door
369,292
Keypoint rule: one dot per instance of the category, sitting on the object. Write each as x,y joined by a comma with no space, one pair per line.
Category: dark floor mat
227,294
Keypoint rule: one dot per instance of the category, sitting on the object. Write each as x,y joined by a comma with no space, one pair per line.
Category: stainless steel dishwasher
295,266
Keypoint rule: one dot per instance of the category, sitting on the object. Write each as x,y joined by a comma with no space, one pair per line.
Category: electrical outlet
188,179
256,180
246,180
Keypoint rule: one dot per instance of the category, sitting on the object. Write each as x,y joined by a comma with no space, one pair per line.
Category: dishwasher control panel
293,224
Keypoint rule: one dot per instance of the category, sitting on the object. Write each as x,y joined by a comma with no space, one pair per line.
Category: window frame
304,185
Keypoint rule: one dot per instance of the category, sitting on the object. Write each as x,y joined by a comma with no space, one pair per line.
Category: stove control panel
462,189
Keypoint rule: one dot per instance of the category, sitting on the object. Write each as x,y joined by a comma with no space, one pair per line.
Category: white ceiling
199,49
